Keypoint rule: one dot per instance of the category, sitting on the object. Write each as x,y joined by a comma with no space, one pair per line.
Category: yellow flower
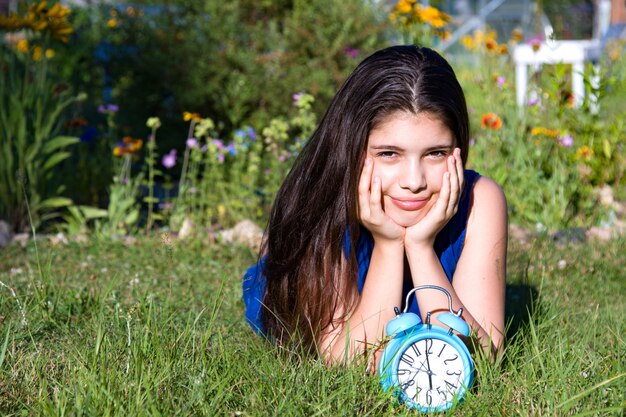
468,42
118,151
584,152
503,49
37,53
516,35
50,53
187,116
536,131
403,7
491,45
22,45
111,23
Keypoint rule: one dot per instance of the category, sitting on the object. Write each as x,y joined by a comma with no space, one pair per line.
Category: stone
519,234
246,233
5,234
21,239
186,230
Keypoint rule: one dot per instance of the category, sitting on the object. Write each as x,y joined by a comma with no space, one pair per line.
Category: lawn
156,327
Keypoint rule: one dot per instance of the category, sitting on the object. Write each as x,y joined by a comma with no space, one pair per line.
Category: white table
554,52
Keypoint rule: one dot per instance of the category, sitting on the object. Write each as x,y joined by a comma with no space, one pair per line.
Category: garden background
141,145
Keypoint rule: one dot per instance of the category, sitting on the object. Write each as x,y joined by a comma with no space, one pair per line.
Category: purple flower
109,108
204,148
351,52
472,141
500,81
218,144
533,101
220,157
297,96
169,159
192,143
566,141
231,149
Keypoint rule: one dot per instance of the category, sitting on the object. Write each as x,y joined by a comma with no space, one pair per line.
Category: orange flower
187,116
491,45
536,131
584,152
491,121
516,35
132,145
503,49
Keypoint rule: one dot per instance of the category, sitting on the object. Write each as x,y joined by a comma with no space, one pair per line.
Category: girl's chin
407,221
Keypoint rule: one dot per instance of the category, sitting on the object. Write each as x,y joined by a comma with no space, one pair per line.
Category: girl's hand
371,213
423,233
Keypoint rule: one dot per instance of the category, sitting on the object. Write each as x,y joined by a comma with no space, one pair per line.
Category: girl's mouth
409,204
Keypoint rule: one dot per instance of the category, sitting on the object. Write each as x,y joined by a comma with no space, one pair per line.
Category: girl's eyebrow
389,147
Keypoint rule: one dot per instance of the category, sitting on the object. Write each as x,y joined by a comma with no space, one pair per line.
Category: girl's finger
364,189
375,203
455,189
459,169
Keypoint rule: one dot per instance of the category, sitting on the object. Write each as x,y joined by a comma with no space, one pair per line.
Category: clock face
431,372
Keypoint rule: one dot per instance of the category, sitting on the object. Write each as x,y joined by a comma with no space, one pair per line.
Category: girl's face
409,153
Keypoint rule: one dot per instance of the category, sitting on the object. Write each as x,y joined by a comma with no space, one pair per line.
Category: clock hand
430,373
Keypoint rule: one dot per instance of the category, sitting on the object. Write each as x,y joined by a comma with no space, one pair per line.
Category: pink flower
192,143
351,52
566,140
169,159
297,96
500,81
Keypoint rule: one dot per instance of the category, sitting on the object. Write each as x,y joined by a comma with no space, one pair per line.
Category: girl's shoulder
488,207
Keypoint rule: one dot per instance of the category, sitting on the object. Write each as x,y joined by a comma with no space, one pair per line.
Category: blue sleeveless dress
448,247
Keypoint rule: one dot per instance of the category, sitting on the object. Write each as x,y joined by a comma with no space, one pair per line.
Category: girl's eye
439,154
387,154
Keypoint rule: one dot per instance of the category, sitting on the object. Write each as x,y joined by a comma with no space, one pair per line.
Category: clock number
407,384
429,346
443,394
451,360
416,349
453,373
450,386
441,351
418,389
403,371
429,398
407,359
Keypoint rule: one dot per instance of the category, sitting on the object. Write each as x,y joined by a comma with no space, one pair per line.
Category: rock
599,233
58,239
245,232
520,234
21,239
571,235
186,230
5,234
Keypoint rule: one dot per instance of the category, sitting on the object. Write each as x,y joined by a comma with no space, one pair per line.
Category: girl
378,202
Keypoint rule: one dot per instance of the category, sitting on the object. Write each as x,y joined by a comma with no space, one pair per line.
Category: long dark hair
309,271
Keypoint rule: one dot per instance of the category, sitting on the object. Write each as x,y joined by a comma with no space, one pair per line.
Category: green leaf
93,212
58,143
132,217
56,202
55,159
150,200
606,148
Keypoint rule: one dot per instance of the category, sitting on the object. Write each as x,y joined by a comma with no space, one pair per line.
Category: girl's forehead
406,128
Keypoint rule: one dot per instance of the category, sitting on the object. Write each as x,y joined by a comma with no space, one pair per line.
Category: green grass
157,328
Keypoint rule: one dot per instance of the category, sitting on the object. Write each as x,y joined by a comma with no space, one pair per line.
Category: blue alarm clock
428,366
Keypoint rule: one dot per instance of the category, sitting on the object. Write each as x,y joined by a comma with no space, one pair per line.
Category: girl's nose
411,177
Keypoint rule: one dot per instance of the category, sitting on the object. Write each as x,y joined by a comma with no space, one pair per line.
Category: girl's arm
479,280
382,290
